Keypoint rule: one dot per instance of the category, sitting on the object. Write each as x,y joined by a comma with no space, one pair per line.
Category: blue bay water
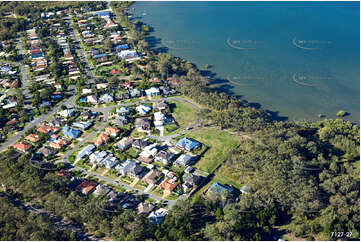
252,45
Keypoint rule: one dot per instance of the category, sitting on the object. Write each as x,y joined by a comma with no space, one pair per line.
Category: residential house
83,125
86,91
121,120
101,190
153,91
85,151
124,167
46,151
148,153
135,92
165,90
124,143
123,110
102,139
139,144
164,157
191,182
23,146
161,105
188,144
102,85
32,138
58,143
217,189
114,132
67,113
97,156
143,109
106,98
110,161
169,184
145,208
70,132
92,99
183,160
189,170
143,124
86,187
159,119
152,177
137,171
157,217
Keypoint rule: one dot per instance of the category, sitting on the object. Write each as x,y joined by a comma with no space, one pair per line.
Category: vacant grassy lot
183,113
220,143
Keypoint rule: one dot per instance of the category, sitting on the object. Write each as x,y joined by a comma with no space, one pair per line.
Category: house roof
23,146
145,208
152,176
219,188
32,137
168,184
102,138
188,144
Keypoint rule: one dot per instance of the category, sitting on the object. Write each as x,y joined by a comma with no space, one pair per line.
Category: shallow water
298,58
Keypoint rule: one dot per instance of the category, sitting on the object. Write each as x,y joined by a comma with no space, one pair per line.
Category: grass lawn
125,179
220,143
132,152
170,129
183,113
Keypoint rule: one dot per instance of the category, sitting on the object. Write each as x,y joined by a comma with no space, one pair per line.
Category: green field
183,113
220,143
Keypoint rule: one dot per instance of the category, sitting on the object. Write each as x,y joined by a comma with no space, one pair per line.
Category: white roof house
159,119
106,98
143,109
183,160
67,113
124,167
153,91
97,156
86,91
92,99
10,105
86,151
110,161
149,151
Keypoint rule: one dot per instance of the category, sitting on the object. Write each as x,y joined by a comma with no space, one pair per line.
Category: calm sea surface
298,58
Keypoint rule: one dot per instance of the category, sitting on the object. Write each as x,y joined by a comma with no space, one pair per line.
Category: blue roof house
188,144
122,47
220,189
70,132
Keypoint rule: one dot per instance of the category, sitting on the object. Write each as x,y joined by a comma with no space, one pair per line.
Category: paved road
56,221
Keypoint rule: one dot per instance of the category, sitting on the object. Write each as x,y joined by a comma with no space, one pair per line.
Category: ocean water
299,59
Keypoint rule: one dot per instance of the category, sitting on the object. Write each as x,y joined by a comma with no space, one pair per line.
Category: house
153,91
152,177
143,124
106,98
135,92
183,160
143,109
124,167
188,144
137,171
83,125
67,113
92,99
97,156
46,129
56,122
169,184
70,132
189,170
58,143
32,138
110,161
121,120
157,217
86,187
219,189
114,132
159,119
23,146
123,110
87,114
148,153
121,47
102,139
128,55
192,181
165,90
164,157
101,190
139,144
145,208
46,151
124,143
85,151
102,85
161,105
86,91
